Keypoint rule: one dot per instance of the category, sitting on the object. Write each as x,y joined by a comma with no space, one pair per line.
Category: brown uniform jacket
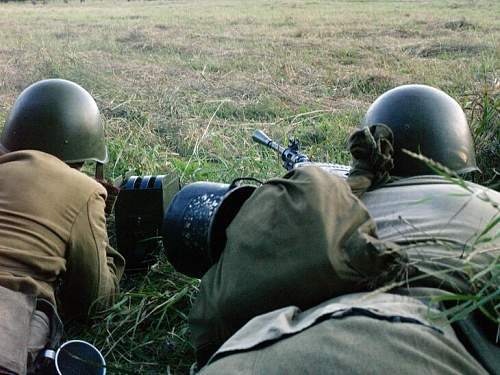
53,232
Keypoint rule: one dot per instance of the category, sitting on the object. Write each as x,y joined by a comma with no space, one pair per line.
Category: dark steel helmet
424,120
57,117
194,226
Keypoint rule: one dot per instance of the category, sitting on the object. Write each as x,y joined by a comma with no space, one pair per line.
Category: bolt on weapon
293,158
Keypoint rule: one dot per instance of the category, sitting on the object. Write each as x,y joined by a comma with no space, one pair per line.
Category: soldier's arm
93,268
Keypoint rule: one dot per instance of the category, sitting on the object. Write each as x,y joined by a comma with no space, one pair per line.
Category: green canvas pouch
298,240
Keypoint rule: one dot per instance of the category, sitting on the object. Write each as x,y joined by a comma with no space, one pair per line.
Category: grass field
183,84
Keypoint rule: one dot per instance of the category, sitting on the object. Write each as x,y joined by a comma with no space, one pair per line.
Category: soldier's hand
112,191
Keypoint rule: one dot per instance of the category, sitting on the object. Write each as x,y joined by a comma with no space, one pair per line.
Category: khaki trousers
24,331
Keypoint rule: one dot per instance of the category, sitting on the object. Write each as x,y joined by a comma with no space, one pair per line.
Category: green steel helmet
424,120
58,117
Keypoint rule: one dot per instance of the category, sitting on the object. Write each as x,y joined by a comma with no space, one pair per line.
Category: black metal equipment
289,155
194,227
139,211
292,157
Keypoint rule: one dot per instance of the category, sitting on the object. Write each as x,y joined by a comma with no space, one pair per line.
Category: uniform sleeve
94,268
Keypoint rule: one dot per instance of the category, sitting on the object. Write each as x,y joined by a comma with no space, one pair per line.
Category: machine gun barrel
289,155
292,158
260,137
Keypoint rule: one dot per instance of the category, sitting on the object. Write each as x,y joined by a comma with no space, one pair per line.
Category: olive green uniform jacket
291,291
53,233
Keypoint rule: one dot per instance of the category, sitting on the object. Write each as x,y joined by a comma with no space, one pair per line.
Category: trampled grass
182,85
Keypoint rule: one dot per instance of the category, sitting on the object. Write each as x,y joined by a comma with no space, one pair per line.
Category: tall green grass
480,261
484,109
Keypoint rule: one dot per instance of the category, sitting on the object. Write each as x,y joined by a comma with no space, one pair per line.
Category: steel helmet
424,120
58,117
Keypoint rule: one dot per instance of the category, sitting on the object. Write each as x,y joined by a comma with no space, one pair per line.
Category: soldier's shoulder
50,170
443,185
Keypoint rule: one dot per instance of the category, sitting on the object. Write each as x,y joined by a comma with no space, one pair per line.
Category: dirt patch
460,25
403,33
154,43
136,17
133,36
372,84
339,104
443,50
66,35
163,27
253,21
347,56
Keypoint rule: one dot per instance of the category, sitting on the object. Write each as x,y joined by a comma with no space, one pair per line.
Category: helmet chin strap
99,171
